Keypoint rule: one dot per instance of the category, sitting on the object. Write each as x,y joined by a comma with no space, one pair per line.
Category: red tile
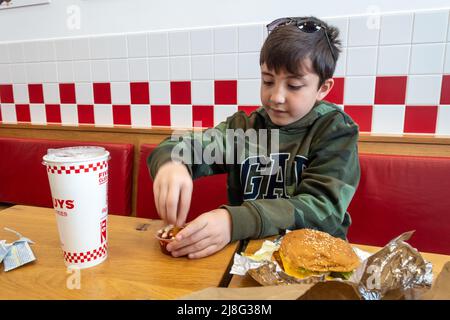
23,112
85,114
445,90
53,113
67,92
362,115
36,93
6,93
225,92
139,92
1,113
390,90
121,114
336,95
248,109
203,116
420,119
180,92
102,93
160,115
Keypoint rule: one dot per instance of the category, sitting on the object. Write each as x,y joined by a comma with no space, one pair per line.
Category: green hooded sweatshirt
302,175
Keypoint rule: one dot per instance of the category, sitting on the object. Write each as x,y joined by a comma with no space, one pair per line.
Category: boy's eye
292,87
267,83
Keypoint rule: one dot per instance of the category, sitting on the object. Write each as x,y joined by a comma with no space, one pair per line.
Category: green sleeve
326,189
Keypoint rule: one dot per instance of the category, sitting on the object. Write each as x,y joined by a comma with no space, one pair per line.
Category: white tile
158,68
202,92
8,113
180,68
82,71
84,93
117,47
118,70
222,112
225,66
69,115
20,92
341,64
249,92
248,65
361,61
37,113
158,44
18,73
65,71
202,41
100,70
51,93
103,115
63,49
202,67
137,45
81,49
226,40
99,47
250,38
138,69
5,73
423,89
362,31
47,51
443,120
140,116
49,72
181,116
160,92
16,54
427,58
120,93
388,119
179,43
393,60
447,59
4,53
359,90
31,51
342,25
34,72
396,28
430,26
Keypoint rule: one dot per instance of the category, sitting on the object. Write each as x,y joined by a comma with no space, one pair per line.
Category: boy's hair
286,48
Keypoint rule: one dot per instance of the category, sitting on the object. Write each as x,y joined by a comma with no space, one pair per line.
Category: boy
312,177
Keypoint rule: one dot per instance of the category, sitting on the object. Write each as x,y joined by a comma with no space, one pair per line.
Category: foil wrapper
397,271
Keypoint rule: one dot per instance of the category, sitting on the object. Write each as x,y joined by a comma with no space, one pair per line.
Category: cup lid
75,154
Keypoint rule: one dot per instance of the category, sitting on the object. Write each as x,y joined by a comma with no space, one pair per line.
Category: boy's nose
277,96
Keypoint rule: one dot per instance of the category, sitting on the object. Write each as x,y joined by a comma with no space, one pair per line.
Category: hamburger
306,252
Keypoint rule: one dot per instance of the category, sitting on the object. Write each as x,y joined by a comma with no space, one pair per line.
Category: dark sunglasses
304,24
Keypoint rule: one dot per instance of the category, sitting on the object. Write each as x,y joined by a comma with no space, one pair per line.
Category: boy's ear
324,89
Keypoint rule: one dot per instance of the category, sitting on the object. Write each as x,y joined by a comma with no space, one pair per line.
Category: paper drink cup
78,178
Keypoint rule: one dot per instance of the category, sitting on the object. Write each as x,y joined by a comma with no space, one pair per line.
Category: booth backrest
208,194
402,193
23,178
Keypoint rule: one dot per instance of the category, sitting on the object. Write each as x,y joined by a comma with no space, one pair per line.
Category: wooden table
135,268
438,261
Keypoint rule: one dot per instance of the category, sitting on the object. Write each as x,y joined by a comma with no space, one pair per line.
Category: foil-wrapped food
308,256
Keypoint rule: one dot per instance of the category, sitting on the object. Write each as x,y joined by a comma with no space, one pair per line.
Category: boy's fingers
190,229
204,253
156,196
192,248
162,202
184,204
172,203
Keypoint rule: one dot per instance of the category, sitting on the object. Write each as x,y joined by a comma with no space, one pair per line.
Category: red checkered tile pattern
80,257
77,169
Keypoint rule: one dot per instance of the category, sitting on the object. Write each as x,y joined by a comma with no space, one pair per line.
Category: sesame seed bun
316,251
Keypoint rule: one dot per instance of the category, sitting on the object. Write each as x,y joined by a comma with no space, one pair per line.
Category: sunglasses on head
307,25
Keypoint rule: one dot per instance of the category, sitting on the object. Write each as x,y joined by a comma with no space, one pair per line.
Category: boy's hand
203,236
172,189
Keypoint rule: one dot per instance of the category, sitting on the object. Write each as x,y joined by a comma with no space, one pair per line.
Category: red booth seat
208,194
23,178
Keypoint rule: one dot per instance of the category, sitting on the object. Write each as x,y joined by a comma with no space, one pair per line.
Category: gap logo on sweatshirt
264,177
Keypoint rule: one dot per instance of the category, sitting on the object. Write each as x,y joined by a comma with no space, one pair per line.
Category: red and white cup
78,178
